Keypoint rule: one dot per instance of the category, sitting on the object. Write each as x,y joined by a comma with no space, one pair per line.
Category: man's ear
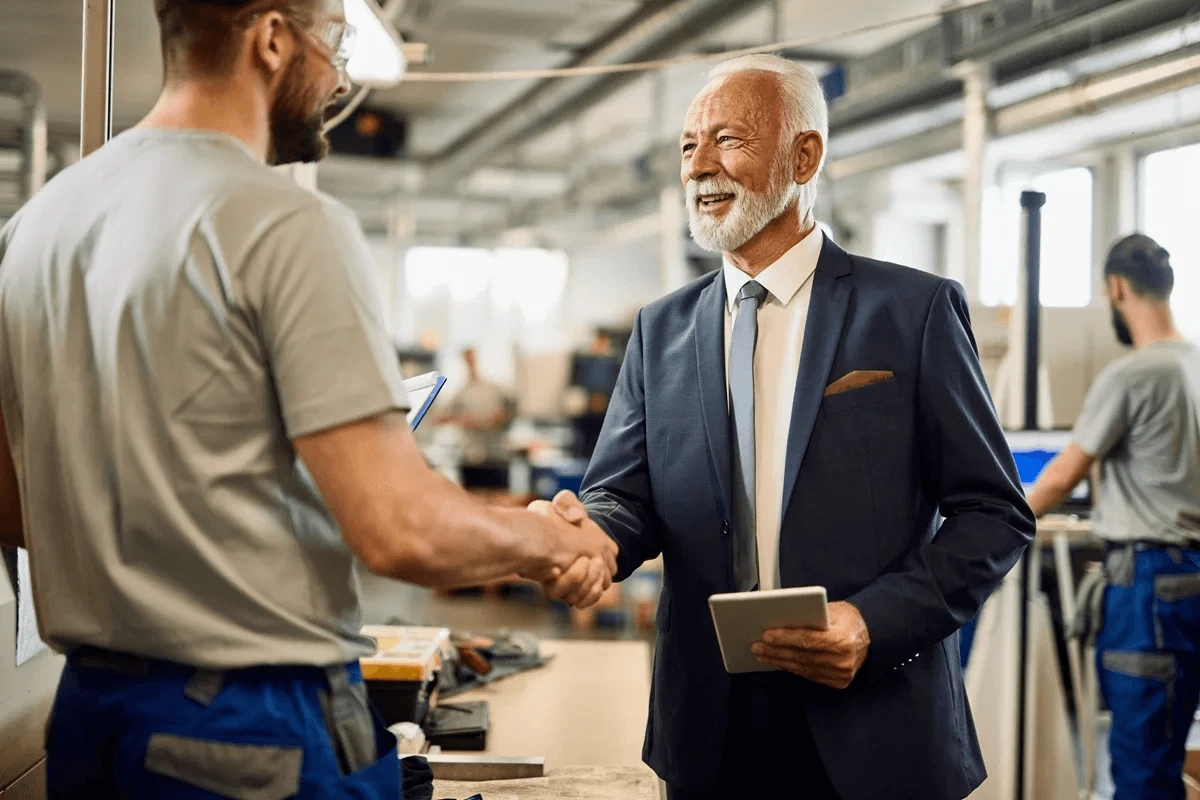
272,43
1118,289
808,150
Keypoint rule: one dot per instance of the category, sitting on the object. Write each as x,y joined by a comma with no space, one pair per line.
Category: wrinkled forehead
751,97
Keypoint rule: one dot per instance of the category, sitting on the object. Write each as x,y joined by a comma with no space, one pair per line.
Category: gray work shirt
173,313
1142,421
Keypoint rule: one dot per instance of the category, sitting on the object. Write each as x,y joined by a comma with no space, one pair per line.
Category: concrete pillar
97,80
976,80
1128,213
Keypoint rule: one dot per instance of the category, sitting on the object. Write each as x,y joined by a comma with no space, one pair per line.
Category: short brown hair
200,37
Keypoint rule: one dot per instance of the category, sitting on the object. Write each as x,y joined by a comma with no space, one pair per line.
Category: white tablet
742,618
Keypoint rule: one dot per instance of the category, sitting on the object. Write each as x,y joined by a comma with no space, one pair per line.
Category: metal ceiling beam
1121,87
659,29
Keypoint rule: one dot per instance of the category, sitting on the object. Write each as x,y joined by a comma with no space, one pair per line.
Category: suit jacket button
725,527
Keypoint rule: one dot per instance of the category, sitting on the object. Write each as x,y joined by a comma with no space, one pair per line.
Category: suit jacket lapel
714,393
829,302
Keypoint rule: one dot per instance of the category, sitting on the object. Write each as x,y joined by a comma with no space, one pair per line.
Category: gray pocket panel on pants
237,771
1176,587
1153,666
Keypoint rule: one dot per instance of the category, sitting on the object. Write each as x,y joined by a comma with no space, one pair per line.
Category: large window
496,301
1168,188
1066,239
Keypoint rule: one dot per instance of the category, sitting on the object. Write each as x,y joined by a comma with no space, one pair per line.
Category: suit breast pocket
866,396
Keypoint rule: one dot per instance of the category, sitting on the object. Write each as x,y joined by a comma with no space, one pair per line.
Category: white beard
748,214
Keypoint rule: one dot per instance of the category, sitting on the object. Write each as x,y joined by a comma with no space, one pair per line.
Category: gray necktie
741,401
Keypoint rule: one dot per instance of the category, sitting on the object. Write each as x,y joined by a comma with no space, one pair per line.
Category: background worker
483,411
202,428
1141,421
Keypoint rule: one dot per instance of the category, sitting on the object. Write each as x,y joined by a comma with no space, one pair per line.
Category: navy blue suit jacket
867,473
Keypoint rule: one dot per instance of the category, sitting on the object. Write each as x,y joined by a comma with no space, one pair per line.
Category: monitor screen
1033,450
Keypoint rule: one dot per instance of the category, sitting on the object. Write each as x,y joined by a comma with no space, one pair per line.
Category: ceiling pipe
656,31
1104,91
1178,71
34,135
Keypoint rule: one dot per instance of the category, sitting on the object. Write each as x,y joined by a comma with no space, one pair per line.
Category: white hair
804,108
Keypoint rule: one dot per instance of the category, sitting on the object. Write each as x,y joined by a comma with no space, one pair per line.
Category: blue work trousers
1148,654
124,727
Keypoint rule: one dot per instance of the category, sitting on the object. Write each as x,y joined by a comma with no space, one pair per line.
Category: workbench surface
572,783
587,708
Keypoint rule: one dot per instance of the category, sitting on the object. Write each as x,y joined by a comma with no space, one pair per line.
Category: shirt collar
784,278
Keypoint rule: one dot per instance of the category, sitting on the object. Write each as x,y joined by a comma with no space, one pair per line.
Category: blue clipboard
422,391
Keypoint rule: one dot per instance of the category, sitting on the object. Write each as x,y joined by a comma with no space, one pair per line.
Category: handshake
582,559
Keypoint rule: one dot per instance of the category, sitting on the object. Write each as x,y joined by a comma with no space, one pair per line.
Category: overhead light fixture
378,59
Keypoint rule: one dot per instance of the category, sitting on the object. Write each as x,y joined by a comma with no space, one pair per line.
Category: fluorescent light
378,59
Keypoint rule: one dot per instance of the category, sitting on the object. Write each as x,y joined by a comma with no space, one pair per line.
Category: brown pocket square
858,379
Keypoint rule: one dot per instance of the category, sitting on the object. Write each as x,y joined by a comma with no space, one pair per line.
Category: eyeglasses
337,38
334,36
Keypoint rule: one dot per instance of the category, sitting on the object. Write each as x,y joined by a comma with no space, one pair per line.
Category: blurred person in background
1141,423
482,410
203,431
804,417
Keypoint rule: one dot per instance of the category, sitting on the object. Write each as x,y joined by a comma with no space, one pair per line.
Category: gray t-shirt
173,313
1142,421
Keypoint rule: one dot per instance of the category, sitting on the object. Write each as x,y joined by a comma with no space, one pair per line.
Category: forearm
447,539
1059,479
1047,494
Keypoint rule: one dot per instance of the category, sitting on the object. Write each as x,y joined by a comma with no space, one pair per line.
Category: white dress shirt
781,321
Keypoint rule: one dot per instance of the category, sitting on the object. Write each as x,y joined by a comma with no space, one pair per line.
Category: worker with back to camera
1141,422
202,429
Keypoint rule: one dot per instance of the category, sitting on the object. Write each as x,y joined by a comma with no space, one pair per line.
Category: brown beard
296,122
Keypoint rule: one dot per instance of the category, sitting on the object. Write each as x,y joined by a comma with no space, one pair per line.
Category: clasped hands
588,560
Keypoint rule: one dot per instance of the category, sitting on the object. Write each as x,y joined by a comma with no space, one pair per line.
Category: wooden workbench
587,708
572,783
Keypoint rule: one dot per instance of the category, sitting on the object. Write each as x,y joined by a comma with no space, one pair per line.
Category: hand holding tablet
742,618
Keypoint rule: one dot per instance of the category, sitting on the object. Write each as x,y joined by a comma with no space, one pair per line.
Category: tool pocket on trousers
1143,682
351,727
1177,611
237,771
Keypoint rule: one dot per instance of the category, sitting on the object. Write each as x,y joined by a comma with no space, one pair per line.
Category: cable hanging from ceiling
666,63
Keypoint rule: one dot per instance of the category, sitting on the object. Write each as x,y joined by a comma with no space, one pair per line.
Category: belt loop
204,686
1120,564
339,681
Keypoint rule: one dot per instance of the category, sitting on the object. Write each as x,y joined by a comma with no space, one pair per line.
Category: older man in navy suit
804,417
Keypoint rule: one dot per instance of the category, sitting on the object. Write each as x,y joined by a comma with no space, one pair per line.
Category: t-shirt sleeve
1105,417
321,321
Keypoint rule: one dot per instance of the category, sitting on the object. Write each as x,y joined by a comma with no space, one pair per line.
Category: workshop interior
514,166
